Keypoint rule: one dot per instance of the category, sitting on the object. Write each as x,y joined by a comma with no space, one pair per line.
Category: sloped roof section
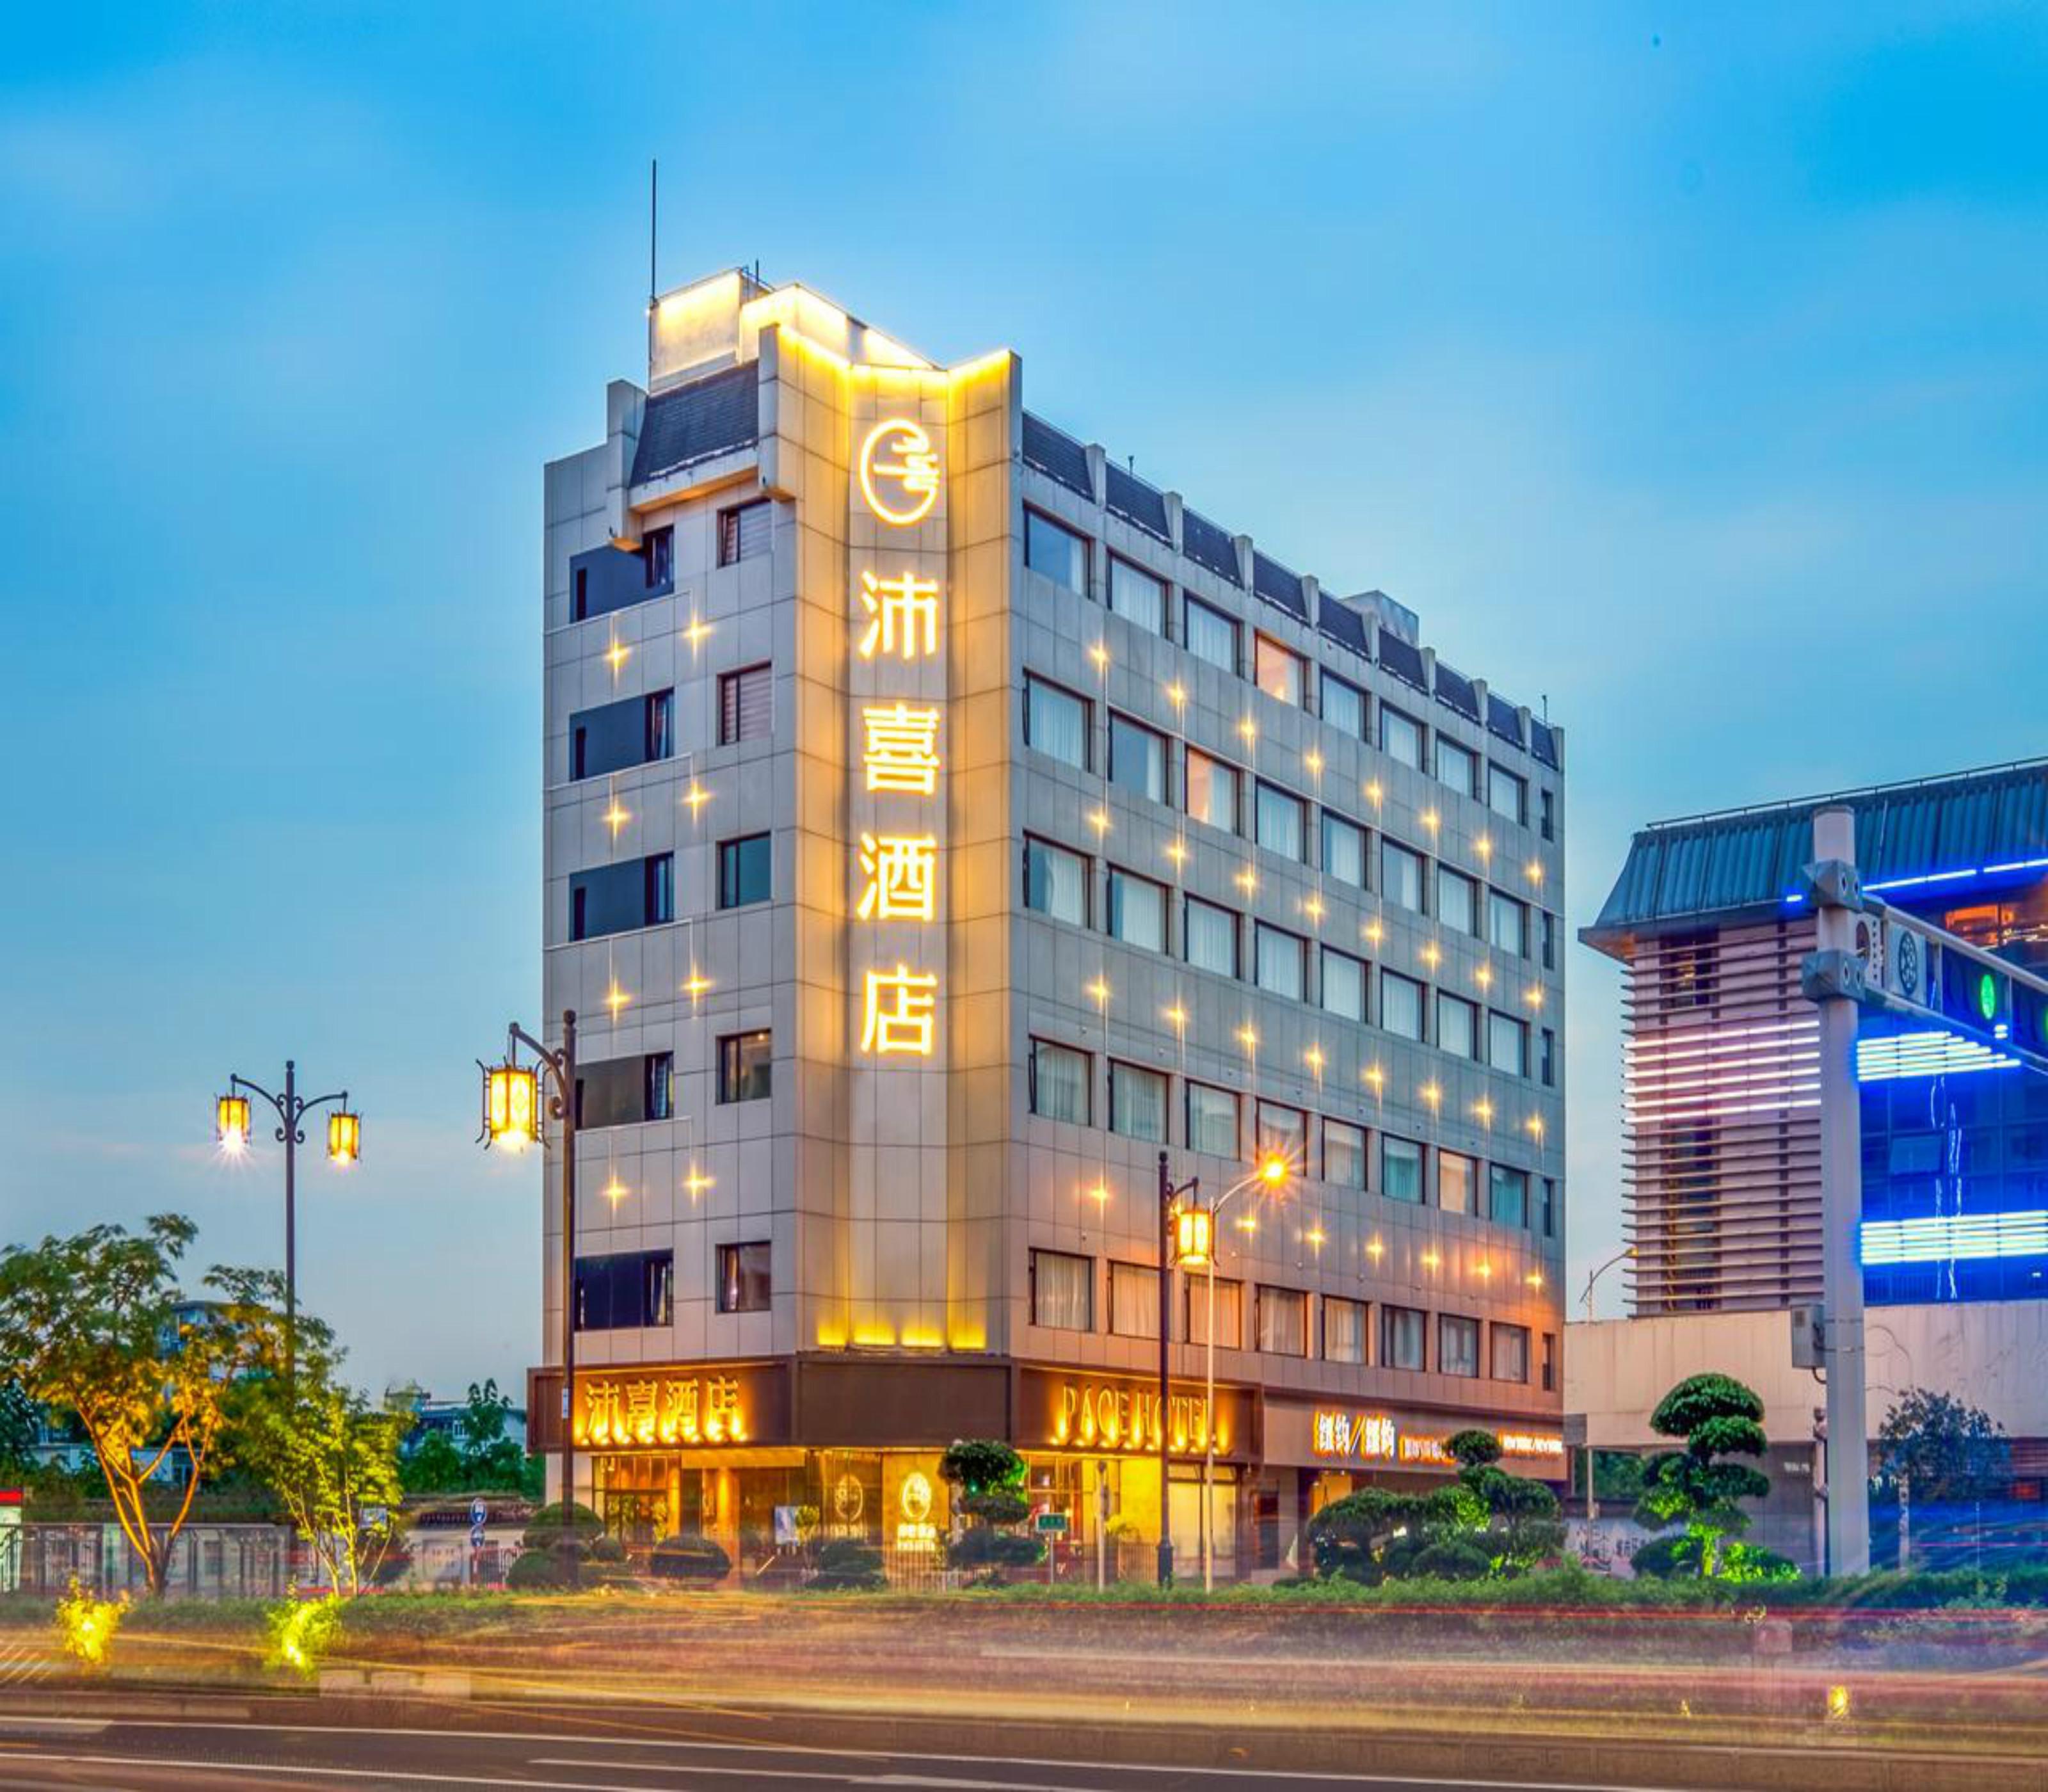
697,420
1057,455
1714,868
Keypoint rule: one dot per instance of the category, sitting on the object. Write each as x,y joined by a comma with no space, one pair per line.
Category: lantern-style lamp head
1192,1237
1273,1169
511,1105
344,1136
230,1124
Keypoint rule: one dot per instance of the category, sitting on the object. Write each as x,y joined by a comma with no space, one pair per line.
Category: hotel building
942,822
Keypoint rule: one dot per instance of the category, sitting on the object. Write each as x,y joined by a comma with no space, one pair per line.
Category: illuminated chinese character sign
657,1406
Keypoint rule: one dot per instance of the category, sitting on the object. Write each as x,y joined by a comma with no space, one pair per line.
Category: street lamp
512,1117
344,1147
1621,1256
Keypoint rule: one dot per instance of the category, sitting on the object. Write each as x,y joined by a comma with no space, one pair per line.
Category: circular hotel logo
899,473
848,1500
916,1497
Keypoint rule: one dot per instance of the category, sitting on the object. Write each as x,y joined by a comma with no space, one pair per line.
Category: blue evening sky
1683,366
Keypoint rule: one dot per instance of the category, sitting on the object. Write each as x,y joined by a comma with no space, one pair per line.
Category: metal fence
207,1561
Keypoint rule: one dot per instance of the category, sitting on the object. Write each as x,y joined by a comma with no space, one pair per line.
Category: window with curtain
1343,984
1056,882
745,705
1211,939
1507,1044
1458,1345
1059,1082
1062,1291
1457,1025
1457,1183
1400,1005
1279,671
742,1278
1344,850
1506,794
1279,820
1138,1103
1457,900
1510,1353
1229,1311
1211,1121
1344,706
1400,875
1212,791
1343,1154
1400,737
1137,757
1211,635
1054,549
1133,1300
1283,1132
1400,1169
1506,924
1136,910
1402,1338
1283,1321
1056,722
1507,1196
745,1066
1137,595
1456,765
1282,962
1343,1329
742,534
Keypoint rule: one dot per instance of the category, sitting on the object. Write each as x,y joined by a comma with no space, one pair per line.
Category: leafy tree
1944,1449
991,1477
433,1465
93,1325
20,1421
1699,1486
1520,1519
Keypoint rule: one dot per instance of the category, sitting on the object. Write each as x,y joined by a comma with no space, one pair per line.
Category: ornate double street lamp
513,1113
344,1147
1187,1240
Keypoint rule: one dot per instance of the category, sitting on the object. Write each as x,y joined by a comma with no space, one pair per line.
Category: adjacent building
942,823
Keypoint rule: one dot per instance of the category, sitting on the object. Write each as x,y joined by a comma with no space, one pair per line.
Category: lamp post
344,1147
512,1113
1169,1195
1621,1256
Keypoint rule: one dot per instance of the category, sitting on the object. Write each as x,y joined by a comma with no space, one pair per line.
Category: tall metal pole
1841,1217
291,1118
1166,1327
1209,1421
565,1083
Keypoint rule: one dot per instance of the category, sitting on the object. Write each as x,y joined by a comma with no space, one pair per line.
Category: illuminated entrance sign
902,616
898,1011
1104,1415
1336,1435
1347,1436
899,472
665,1408
915,1530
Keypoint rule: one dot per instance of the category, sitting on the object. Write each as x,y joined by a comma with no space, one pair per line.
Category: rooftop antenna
653,194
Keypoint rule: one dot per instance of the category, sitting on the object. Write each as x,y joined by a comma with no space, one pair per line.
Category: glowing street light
230,1124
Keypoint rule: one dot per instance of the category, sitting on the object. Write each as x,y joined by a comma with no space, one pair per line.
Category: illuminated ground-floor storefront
768,1458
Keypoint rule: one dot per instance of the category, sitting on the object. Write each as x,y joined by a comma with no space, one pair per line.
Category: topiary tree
990,1475
1516,1522
1699,1486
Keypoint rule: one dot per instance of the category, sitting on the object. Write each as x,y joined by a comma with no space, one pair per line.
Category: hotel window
1283,1132
1457,1183
1400,1005
1547,1217
1211,1121
1279,819
1401,1337
1211,635
625,1291
742,1278
1547,929
1546,810
1344,850
1400,737
1458,1345
1343,1329
1136,910
1510,1353
658,1086
1133,1300
1506,794
1137,596
1507,1044
619,898
624,1091
745,708
1059,1079
744,874
1343,984
1508,924
1456,765
1211,793
1344,706
1400,1169
1457,900
1283,1321
1062,1291
1138,1103
658,552
1343,1155
1055,550
1507,1196
613,736
1457,1025
1056,882
1229,1312
745,1066
1209,937
1278,671
1282,966
1137,757
743,531
1549,1362
1056,722
1400,875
